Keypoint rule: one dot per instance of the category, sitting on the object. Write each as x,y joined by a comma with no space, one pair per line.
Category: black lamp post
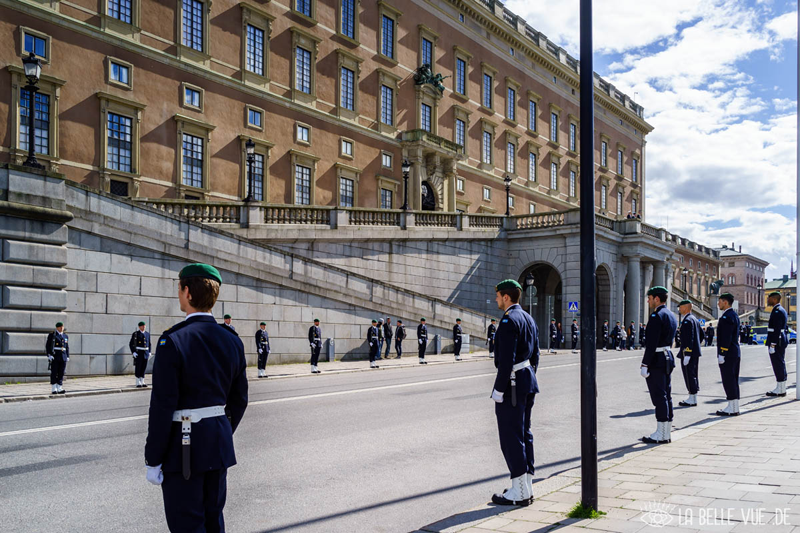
33,70
406,169
507,181
685,273
250,150
759,287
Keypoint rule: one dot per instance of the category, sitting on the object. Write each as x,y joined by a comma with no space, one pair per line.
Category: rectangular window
487,91
36,44
387,30
460,184
510,158
573,137
303,70
531,166
345,192
487,193
461,76
386,160
554,127
258,178
387,105
635,170
303,133
304,7
604,154
41,122
603,196
348,89
120,73
118,188
192,160
387,198
635,209
193,24
554,176
425,117
619,162
461,132
427,52
349,18
531,208
255,50
511,104
191,97
347,147
120,10
120,142
487,148
619,203
255,118
302,185
511,202
573,178
531,115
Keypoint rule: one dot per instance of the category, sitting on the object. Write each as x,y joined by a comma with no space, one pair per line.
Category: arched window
731,280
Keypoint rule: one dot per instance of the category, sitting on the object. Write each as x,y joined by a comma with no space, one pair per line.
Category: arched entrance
603,300
428,197
543,298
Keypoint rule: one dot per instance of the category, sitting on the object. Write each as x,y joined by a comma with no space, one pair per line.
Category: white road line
294,398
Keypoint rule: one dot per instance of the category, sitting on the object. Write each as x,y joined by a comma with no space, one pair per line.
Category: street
372,451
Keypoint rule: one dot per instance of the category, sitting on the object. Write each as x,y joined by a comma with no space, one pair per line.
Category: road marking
294,398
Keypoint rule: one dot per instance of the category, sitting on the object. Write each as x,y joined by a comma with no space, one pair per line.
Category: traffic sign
573,307
702,321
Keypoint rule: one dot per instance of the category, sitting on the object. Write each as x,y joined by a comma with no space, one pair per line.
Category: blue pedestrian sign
702,321
573,307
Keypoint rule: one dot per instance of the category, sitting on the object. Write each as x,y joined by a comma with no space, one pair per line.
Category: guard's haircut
514,293
203,292
727,298
778,296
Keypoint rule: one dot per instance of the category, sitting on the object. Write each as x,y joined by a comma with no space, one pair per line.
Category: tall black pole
508,192
588,281
250,196
405,190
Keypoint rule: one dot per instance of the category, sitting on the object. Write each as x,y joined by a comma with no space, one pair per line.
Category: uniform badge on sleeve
504,320
162,342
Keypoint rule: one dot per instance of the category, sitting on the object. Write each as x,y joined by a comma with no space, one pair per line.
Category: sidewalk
88,386
738,474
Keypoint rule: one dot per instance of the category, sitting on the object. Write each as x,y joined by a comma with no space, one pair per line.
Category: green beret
59,324
263,324
552,320
774,293
227,316
422,319
684,302
458,320
507,284
142,324
316,320
200,270
658,290
399,321
374,321
494,320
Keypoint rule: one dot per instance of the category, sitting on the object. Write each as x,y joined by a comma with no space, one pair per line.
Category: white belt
663,348
196,415
59,348
458,334
142,348
770,330
519,366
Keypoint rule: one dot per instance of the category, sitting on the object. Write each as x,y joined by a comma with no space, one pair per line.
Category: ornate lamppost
507,181
33,70
406,169
250,150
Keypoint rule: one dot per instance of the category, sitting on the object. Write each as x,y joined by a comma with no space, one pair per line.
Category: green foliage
581,511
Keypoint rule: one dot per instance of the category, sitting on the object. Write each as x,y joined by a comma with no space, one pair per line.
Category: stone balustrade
197,211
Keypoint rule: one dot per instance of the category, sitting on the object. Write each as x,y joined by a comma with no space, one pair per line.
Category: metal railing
373,217
197,210
540,220
486,221
435,219
297,214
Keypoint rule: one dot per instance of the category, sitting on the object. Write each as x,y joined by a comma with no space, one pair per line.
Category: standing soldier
574,335
226,321
728,354
605,335
457,332
631,335
615,335
691,333
315,340
642,335
374,346
515,388
422,337
399,337
199,397
490,335
777,342
140,349
262,346
387,336
57,349
710,335
553,336
658,363
380,337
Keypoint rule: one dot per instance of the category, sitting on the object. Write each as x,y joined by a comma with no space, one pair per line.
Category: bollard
437,344
465,348
331,350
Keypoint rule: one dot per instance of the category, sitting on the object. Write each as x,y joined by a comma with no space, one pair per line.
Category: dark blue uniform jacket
57,340
728,334
691,336
140,339
262,340
777,323
516,340
660,332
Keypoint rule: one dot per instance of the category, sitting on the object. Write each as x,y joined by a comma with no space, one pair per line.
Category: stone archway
543,299
428,197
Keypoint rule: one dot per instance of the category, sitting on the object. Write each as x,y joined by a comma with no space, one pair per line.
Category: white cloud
784,26
783,104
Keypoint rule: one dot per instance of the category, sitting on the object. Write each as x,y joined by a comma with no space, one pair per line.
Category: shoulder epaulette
176,327
229,330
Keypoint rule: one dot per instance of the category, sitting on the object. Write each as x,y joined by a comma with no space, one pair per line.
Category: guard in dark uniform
387,336
631,335
490,335
615,335
199,397
457,333
728,353
226,321
515,387
140,350
553,336
742,334
642,335
374,346
57,350
262,347
658,363
574,335
399,337
380,338
776,342
691,333
422,338
605,335
315,340
710,335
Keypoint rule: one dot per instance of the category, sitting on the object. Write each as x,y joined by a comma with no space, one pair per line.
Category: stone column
647,282
658,274
633,295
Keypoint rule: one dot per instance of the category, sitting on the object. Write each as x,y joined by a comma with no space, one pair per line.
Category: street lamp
507,181
406,168
33,71
685,273
250,150
758,304
529,281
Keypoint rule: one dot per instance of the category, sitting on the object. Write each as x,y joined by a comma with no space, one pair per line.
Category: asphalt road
373,451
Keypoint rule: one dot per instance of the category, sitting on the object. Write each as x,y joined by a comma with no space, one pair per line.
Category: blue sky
717,79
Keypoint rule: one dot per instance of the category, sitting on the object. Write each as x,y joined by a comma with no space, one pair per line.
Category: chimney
740,248
733,246
785,278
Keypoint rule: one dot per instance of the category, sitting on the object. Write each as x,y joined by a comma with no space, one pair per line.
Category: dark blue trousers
660,386
516,437
374,350
398,347
778,360
690,375
388,347
457,348
730,377
57,368
139,365
422,348
195,505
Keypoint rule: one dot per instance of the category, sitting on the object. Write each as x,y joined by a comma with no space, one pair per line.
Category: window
619,203
35,44
460,184
554,127
573,137
531,208
486,151
510,202
604,154
260,168
304,48
118,188
345,192
302,179
635,209
461,76
532,115
510,157
255,50
120,10
635,169
348,91
531,166
255,117
120,73
120,145
387,105
554,176
303,133
303,70
425,117
487,91
573,179
461,17
731,280
387,36
348,21
619,162
691,262
193,24
511,51
487,193
461,132
41,122
603,196
427,52
192,97
387,199
258,178
511,104
193,160
303,7
386,160
347,148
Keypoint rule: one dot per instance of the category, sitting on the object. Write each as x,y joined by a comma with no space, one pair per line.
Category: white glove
497,396
644,372
312,345
420,341
686,360
155,475
68,359
259,351
134,355
370,344
721,359
771,349
50,358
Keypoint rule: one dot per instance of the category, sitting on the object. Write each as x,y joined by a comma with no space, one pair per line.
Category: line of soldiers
620,338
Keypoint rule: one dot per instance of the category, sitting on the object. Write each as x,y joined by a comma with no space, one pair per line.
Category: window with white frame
425,117
347,148
120,143
511,104
486,148
120,73
348,18
604,154
193,160
427,52
41,122
346,191
634,169
531,166
619,203
304,133
511,150
386,160
35,43
461,76
532,115
255,118
387,105
302,183
460,184
461,132
192,97
254,57
603,196
387,199
258,178
303,70
487,193
348,88
554,127
573,181
573,137
619,162
531,208
635,206
487,90
554,175
387,36
510,202
193,24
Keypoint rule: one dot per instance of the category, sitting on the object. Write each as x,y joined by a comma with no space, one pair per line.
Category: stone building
787,286
694,268
744,277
